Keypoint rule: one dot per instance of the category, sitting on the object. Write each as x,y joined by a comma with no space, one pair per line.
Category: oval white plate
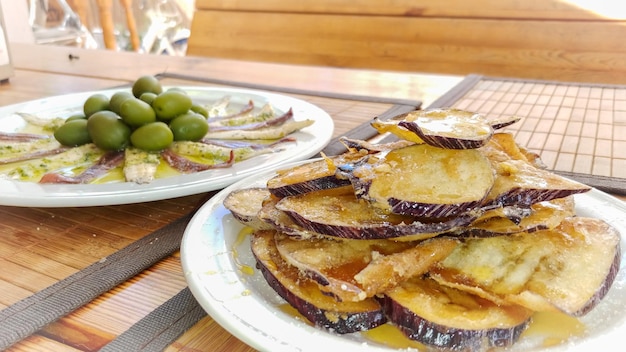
213,254
309,141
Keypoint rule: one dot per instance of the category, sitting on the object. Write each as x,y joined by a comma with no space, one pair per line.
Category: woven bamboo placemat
579,129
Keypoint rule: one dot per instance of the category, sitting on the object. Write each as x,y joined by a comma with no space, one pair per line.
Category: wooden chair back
541,39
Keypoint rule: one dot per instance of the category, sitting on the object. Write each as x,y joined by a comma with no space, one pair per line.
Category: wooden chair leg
81,7
131,24
106,22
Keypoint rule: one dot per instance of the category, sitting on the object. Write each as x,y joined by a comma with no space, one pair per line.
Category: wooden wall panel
571,50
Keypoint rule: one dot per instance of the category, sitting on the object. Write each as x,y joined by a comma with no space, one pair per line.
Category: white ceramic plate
216,258
309,141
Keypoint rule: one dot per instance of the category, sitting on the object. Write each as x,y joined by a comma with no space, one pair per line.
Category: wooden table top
41,246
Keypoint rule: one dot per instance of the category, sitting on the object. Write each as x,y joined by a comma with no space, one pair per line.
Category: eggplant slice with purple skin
305,296
422,180
245,205
321,174
338,213
452,320
513,219
521,184
444,128
353,270
310,176
568,269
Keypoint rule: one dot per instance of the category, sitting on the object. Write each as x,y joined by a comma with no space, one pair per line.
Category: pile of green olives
147,117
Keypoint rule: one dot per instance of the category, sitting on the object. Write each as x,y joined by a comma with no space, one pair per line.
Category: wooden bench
540,39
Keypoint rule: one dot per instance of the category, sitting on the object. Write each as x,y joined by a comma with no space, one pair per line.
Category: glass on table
54,22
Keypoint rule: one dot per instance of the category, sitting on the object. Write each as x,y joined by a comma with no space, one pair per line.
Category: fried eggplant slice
513,219
305,296
450,319
338,213
334,263
522,184
569,268
422,180
310,176
353,270
245,205
444,128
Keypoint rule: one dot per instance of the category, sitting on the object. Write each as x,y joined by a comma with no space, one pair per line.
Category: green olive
146,84
170,104
73,133
108,131
136,112
148,97
189,127
197,108
79,116
177,89
94,103
117,99
152,137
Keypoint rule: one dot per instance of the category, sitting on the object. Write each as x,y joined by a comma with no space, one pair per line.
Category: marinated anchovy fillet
45,123
108,161
217,112
273,132
68,161
11,151
215,154
241,119
140,166
19,137
255,125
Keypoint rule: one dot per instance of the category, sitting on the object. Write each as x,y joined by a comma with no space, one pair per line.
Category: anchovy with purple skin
269,132
32,170
107,162
278,120
185,165
14,151
234,144
32,155
266,112
246,109
21,137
